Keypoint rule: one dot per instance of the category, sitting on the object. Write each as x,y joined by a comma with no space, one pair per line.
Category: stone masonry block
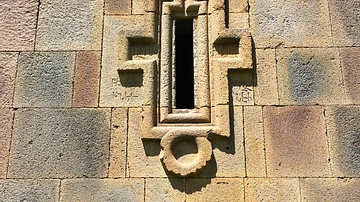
117,7
18,24
29,190
214,189
350,63
6,121
111,190
343,124
7,78
118,147
290,23
309,76
70,25
238,6
272,189
254,142
165,189
87,78
44,79
266,90
345,22
60,143
295,141
330,189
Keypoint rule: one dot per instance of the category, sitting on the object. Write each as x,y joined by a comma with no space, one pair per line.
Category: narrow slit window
184,61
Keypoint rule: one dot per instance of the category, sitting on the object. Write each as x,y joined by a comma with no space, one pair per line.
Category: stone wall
62,138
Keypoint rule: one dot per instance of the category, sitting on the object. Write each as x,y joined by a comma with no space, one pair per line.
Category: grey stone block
44,79
60,143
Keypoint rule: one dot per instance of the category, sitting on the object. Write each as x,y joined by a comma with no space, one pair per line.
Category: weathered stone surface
290,23
29,190
266,89
60,143
350,63
69,25
18,24
111,190
7,78
165,189
87,78
345,22
44,79
254,142
343,124
122,7
138,7
238,6
118,144
6,121
309,76
272,189
330,189
214,189
295,140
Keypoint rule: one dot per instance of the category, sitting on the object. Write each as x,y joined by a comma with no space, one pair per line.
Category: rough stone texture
272,189
29,190
69,25
117,7
350,63
6,121
343,126
7,78
309,76
138,7
165,189
295,141
345,21
18,24
330,189
238,6
44,79
111,190
254,142
290,23
118,142
265,90
215,189
87,78
60,143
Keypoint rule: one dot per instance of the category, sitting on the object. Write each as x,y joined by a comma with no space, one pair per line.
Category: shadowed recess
131,78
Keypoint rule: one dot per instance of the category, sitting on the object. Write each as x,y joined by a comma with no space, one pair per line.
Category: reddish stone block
122,7
350,61
6,121
87,76
7,78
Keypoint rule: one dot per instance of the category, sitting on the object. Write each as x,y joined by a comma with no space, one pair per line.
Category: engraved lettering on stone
242,95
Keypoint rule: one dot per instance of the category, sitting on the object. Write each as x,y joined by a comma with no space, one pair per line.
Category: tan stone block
7,78
238,20
214,189
345,22
165,189
87,78
18,24
138,7
6,122
266,89
122,7
238,6
118,141
343,126
102,190
70,25
350,63
290,23
309,76
295,141
272,189
254,142
330,189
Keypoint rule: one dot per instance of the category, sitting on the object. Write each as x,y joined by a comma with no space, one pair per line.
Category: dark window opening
184,53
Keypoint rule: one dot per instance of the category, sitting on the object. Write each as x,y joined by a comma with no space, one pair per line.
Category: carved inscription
128,95
242,95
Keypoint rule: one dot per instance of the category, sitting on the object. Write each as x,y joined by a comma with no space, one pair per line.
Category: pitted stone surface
29,190
18,24
60,143
8,63
69,25
44,79
6,121
163,189
122,7
350,63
